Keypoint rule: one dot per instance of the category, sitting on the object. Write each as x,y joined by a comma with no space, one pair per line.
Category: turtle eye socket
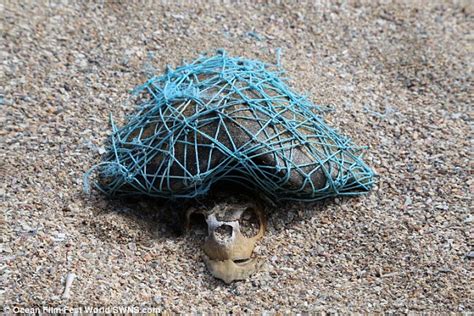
249,223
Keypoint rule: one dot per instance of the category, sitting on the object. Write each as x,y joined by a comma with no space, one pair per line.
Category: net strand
231,119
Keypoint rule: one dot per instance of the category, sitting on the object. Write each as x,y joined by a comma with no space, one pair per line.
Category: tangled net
225,119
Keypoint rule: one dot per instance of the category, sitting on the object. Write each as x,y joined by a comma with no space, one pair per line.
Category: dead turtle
224,119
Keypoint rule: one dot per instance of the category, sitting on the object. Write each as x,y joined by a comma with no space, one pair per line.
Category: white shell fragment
67,288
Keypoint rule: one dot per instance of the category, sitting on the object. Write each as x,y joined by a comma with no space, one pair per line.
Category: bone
229,271
228,257
67,289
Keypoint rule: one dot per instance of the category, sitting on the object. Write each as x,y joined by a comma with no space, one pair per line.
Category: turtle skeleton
234,225
234,120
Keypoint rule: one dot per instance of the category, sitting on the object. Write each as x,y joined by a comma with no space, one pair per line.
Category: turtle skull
232,232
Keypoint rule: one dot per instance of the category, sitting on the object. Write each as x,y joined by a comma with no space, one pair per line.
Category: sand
397,78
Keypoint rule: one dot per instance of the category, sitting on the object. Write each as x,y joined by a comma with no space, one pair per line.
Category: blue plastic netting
226,119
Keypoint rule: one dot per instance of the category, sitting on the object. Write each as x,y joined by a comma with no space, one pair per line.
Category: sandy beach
396,76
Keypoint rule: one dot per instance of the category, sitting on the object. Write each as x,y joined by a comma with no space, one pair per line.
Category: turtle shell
234,120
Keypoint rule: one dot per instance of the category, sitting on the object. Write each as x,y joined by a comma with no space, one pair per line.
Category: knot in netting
227,119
